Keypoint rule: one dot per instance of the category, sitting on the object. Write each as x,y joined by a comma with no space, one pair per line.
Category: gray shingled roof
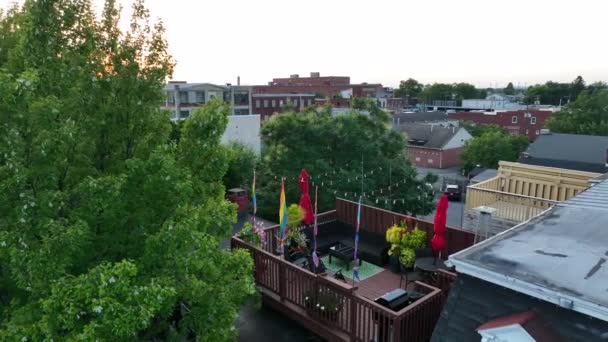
435,136
572,151
559,256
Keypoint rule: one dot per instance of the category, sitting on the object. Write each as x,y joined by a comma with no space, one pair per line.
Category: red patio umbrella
305,201
441,214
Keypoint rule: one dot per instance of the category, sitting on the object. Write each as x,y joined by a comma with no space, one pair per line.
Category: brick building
435,146
519,122
269,104
321,86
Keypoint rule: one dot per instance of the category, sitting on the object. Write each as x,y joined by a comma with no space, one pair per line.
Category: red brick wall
451,157
424,157
359,90
316,81
504,119
441,159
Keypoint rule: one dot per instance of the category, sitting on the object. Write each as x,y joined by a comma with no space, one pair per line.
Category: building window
200,97
514,119
171,96
533,120
527,131
417,159
274,103
184,114
280,103
257,103
265,103
183,97
295,102
430,161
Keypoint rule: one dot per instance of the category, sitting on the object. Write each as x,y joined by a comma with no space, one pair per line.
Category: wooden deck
381,283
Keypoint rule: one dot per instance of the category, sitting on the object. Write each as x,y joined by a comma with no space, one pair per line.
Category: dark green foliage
479,130
587,115
491,147
509,90
410,88
451,92
334,150
109,226
240,168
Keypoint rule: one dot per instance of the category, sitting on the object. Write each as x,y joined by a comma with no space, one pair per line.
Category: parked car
454,192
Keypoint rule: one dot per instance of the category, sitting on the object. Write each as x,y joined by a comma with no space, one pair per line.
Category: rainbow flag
255,204
356,260
282,214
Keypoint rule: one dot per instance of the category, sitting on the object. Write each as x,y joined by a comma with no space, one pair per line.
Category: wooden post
282,281
397,329
353,318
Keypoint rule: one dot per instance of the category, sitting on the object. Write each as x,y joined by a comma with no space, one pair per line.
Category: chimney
294,76
315,74
238,80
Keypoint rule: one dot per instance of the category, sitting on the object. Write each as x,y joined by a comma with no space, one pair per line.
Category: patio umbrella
305,201
441,214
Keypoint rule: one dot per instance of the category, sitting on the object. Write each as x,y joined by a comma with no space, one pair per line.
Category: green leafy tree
335,150
478,130
240,169
108,229
578,86
447,92
490,148
554,93
409,88
438,92
587,115
510,89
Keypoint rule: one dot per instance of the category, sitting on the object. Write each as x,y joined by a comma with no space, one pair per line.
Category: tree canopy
109,229
336,151
409,88
510,89
587,115
451,92
491,147
554,93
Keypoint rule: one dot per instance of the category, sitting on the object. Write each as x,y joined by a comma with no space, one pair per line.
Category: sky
484,42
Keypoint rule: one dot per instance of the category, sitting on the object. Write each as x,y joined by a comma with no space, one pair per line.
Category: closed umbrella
438,241
305,202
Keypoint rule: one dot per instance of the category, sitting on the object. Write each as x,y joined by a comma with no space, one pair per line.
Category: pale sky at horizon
385,41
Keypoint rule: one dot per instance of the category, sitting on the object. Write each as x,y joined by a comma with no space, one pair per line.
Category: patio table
344,253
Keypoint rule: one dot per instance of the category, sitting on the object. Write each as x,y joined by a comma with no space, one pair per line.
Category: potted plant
404,243
295,239
394,235
410,242
325,304
253,235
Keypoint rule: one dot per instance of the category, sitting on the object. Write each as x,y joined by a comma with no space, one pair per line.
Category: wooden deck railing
520,192
357,318
513,207
376,220
444,281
